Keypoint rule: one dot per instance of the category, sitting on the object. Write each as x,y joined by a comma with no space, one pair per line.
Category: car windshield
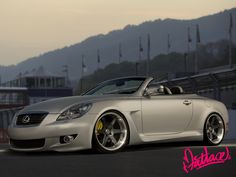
118,86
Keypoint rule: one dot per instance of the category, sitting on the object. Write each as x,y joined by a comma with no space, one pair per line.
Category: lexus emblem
26,119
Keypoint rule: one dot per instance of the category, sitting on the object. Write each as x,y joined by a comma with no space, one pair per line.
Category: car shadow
162,145
133,148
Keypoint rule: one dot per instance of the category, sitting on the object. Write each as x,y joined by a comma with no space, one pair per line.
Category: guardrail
6,117
232,125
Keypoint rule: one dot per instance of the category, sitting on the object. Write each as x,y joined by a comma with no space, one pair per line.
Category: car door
165,114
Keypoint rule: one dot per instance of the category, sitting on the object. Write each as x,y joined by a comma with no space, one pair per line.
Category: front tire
111,132
214,130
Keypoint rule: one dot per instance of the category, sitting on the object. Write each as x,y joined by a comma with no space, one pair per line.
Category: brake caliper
99,125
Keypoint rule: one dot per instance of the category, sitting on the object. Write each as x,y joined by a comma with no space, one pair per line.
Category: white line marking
219,146
2,150
228,144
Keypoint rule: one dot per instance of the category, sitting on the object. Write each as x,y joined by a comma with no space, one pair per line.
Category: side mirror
154,91
150,91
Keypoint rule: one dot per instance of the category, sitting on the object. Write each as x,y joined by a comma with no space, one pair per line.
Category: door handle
187,102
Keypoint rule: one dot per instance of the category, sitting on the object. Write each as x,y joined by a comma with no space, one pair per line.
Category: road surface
156,160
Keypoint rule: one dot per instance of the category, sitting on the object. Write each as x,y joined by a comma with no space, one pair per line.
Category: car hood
59,104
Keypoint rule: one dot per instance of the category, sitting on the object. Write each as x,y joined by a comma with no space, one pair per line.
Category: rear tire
214,130
111,132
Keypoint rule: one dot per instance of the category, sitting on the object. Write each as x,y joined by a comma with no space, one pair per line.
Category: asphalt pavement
152,160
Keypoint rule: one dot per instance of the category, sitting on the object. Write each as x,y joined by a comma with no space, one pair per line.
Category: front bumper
51,130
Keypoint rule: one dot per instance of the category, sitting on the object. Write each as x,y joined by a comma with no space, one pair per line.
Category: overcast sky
31,27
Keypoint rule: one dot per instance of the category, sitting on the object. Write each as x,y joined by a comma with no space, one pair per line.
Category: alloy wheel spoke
113,122
117,131
113,133
210,136
113,140
213,121
104,140
215,129
208,125
214,133
216,126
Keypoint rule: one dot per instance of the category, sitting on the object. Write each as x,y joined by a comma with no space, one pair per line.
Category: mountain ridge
212,28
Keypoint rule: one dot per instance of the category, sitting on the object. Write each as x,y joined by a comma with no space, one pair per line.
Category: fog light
67,139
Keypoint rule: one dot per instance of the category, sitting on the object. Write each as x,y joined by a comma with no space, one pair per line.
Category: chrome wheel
214,129
111,132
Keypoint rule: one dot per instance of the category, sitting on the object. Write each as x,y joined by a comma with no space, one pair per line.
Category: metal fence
6,117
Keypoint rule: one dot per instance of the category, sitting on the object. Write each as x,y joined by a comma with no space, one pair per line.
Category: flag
140,45
84,68
168,42
230,22
120,51
98,56
198,39
189,36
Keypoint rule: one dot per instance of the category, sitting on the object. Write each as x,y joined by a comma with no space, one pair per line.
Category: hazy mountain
212,28
165,66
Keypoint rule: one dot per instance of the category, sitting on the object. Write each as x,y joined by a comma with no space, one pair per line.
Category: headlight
75,111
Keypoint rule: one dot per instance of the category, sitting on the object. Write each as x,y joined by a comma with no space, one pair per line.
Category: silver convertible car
116,113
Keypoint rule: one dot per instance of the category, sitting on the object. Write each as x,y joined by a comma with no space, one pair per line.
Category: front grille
27,144
30,119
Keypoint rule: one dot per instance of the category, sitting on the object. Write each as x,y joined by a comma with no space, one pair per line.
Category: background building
41,85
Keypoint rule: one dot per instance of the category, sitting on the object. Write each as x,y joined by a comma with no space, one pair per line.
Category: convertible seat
167,91
177,90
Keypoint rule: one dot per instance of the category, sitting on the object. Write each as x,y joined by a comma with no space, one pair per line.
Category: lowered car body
116,113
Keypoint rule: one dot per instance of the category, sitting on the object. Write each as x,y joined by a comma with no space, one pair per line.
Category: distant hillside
210,55
212,28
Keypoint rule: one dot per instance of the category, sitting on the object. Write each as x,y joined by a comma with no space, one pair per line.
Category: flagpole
185,63
168,43
230,40
82,74
197,46
169,60
98,58
189,40
140,50
148,55
120,53
66,70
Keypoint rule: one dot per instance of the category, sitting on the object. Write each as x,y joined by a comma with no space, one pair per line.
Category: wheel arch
211,113
107,111
206,139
